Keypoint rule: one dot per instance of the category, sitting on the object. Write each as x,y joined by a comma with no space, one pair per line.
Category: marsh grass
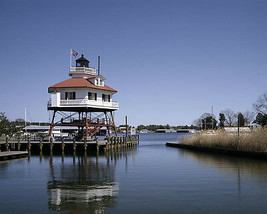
255,141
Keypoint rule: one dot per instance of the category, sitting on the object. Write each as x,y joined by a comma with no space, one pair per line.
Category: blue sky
169,60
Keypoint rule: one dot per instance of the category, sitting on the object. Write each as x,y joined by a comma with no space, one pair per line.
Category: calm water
150,179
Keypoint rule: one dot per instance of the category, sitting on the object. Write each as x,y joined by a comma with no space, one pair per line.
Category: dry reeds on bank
254,141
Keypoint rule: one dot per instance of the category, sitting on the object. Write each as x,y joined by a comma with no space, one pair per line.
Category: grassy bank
255,141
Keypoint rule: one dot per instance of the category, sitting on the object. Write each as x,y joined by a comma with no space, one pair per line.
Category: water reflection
241,166
87,184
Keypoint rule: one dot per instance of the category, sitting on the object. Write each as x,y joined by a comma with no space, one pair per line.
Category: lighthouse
84,100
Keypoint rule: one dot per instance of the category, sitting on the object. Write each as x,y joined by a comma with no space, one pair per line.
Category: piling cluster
109,143
124,142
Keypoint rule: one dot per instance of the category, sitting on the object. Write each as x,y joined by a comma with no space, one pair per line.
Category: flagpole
70,57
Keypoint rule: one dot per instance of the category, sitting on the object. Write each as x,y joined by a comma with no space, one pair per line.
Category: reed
254,141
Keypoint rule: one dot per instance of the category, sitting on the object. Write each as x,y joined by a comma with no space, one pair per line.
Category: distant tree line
9,128
230,118
154,127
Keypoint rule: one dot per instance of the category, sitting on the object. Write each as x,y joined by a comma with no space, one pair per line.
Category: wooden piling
85,144
51,144
108,142
74,144
18,143
6,145
124,141
97,146
29,144
41,144
62,145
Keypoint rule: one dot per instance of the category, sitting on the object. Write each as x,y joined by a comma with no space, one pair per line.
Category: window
92,96
70,95
106,97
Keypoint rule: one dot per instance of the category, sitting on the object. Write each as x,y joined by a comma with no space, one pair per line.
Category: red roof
80,83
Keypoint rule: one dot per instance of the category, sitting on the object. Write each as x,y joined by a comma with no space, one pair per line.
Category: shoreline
260,155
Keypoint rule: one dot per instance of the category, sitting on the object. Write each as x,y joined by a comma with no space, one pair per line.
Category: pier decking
12,154
63,145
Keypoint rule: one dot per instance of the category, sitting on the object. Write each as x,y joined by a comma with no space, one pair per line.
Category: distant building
144,131
254,126
235,129
165,131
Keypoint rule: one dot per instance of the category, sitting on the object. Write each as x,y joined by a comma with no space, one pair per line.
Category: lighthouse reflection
85,184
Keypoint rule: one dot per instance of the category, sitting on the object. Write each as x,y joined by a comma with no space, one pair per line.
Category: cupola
82,62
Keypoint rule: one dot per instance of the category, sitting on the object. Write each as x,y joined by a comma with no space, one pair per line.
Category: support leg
107,123
86,124
113,123
52,124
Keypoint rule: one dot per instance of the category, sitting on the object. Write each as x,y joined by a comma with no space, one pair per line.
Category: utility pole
126,126
98,65
25,119
238,124
212,117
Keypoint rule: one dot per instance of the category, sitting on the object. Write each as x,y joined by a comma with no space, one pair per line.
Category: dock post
97,146
138,139
51,144
62,156
111,143
18,143
107,144
116,142
41,156
6,144
29,144
120,142
41,144
74,144
62,144
85,144
123,141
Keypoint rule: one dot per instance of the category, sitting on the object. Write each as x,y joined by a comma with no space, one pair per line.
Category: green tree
222,120
21,122
241,120
140,127
6,127
261,119
167,126
209,123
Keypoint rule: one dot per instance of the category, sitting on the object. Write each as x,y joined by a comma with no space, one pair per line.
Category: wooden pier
31,145
12,155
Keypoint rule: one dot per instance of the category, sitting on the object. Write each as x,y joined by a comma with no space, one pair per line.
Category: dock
12,155
63,145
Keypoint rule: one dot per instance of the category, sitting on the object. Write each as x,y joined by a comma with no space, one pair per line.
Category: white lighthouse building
84,93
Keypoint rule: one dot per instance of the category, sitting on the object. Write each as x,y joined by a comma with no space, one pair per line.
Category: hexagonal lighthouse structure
84,101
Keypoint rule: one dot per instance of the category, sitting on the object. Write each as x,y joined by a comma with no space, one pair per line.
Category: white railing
89,103
49,102
78,70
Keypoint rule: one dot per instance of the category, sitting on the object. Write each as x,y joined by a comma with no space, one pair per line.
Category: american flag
74,53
